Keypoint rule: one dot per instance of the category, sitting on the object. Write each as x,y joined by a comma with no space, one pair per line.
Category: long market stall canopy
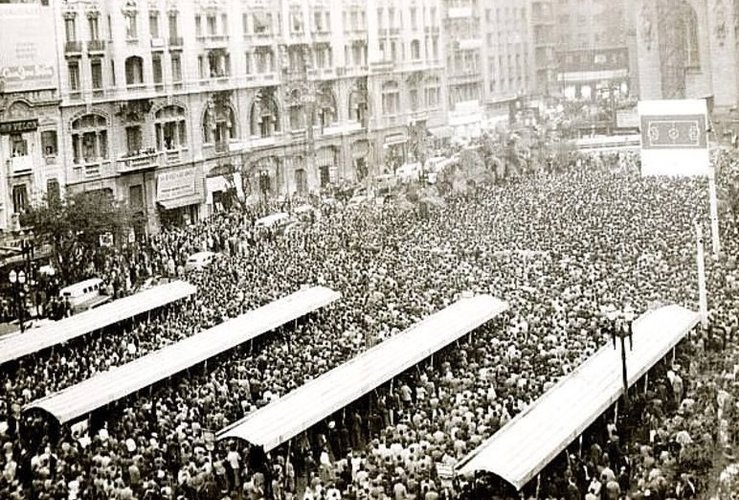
524,446
89,321
117,383
302,408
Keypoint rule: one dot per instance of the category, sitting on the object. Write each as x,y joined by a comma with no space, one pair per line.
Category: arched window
358,103
134,71
690,37
265,116
219,125
295,111
170,128
415,50
89,139
325,107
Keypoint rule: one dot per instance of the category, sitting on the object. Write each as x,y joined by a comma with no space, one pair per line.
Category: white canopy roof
119,382
278,422
92,320
524,446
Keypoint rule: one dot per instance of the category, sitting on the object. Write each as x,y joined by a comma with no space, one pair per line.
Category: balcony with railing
214,41
137,162
20,165
73,49
96,46
89,170
382,66
174,156
158,43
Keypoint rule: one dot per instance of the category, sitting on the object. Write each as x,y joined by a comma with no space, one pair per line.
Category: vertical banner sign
674,137
27,57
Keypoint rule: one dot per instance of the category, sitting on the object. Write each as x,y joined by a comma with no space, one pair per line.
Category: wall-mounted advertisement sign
27,58
176,184
18,126
674,137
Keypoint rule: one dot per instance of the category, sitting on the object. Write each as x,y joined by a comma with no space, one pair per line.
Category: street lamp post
18,280
621,327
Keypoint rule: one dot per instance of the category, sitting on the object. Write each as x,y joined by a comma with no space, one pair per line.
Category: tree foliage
73,226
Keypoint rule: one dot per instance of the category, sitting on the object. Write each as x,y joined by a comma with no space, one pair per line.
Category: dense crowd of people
558,247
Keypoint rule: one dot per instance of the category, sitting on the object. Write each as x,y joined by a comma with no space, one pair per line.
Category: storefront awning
394,139
193,199
444,132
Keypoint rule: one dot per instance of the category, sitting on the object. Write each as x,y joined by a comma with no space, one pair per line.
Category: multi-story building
464,66
406,89
688,49
592,53
543,33
29,113
172,105
508,55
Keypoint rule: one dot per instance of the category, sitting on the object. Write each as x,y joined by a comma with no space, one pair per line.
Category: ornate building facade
29,112
169,105
592,49
688,49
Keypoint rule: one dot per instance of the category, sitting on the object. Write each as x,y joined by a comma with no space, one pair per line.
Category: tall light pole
18,280
621,327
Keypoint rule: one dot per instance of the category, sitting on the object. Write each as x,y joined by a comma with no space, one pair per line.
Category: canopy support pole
579,446
615,413
646,382
673,355
538,485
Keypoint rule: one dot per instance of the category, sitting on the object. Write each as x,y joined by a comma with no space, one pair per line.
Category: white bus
85,294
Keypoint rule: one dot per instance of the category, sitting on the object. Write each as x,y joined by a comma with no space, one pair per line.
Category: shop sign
18,126
176,184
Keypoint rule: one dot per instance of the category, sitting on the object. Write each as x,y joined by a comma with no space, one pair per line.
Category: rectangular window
154,24
201,67
52,191
173,30
70,30
211,20
414,99
224,24
156,67
247,65
74,75
20,198
18,145
94,31
133,140
136,196
96,70
414,20
245,23
132,32
112,72
198,26
48,142
176,68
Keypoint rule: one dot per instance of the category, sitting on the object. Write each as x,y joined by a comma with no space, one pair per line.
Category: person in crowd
558,246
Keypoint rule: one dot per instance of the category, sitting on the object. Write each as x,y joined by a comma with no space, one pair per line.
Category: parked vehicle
199,261
85,294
